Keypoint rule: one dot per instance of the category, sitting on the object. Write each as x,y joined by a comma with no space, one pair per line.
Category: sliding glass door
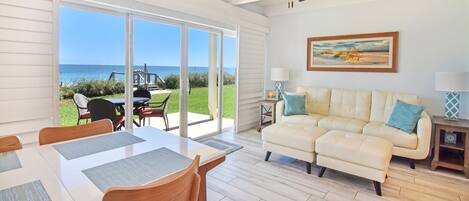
112,55
157,59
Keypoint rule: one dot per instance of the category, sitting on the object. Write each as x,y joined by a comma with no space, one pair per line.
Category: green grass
198,103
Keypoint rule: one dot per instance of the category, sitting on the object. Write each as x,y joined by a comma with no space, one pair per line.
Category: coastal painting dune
354,54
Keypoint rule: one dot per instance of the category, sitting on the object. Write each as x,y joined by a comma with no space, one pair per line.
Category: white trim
220,87
55,63
129,72
238,34
184,82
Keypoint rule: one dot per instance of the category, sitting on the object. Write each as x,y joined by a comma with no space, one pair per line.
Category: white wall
433,37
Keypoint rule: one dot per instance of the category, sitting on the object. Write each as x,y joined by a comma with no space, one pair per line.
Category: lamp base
280,89
452,105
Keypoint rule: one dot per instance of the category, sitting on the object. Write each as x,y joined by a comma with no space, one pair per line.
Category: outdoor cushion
310,119
341,123
397,137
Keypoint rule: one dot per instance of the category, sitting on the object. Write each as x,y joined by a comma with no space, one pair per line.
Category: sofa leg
267,156
308,167
377,187
321,171
412,163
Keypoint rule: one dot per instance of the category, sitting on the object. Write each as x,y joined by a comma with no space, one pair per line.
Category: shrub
92,88
196,80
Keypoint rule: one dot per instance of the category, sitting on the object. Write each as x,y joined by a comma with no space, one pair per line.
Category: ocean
70,73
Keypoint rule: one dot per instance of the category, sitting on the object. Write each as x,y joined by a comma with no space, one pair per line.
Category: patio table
120,102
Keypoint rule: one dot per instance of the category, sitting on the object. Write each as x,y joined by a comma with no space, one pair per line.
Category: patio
195,131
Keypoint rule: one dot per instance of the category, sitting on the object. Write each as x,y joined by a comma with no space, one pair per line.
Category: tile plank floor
246,176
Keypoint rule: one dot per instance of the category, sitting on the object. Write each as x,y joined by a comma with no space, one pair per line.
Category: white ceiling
280,7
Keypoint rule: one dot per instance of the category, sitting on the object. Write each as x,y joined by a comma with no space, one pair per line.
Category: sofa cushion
311,119
341,123
298,137
369,151
355,104
405,116
397,137
294,105
382,104
317,99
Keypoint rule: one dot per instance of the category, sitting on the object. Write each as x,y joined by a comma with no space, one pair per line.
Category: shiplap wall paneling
26,67
251,63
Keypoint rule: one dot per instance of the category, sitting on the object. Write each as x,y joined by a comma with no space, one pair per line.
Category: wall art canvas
376,52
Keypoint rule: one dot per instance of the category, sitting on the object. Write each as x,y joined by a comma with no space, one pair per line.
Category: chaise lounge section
361,112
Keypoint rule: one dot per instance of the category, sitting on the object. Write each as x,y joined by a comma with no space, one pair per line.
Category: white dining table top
77,184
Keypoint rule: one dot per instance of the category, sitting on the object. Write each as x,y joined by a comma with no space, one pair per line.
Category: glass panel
229,81
157,54
92,58
204,65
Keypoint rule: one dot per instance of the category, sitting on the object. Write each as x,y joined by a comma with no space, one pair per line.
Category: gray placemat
94,145
33,191
9,161
137,170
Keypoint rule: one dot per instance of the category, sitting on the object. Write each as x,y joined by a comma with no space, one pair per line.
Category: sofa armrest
424,135
279,111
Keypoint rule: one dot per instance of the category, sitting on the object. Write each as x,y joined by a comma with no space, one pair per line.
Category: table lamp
279,76
453,84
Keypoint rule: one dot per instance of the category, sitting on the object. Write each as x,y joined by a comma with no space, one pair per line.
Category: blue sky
96,38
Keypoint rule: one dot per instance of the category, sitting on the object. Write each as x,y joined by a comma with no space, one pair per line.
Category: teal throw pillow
405,116
294,105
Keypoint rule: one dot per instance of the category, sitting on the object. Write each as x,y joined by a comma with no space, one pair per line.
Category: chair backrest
10,143
81,101
58,134
166,103
182,186
143,93
102,109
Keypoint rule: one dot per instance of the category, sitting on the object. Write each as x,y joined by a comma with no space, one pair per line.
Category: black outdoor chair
141,93
81,101
104,109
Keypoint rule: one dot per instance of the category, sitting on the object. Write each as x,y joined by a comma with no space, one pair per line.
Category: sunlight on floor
195,131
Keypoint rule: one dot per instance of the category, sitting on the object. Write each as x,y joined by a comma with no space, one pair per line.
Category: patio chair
182,186
156,109
81,101
10,143
141,93
104,109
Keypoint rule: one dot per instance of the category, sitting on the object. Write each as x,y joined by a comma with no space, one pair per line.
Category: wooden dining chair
10,143
182,186
58,134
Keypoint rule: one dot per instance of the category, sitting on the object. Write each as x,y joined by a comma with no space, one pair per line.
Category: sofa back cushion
382,104
317,99
354,104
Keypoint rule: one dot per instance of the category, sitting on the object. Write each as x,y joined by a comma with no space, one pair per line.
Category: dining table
84,169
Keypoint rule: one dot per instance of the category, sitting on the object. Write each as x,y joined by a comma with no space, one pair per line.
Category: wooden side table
267,113
453,156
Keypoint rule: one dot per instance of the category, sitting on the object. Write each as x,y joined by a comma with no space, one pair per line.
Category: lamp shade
450,81
279,74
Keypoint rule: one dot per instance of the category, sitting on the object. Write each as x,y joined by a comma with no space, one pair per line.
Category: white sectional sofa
362,112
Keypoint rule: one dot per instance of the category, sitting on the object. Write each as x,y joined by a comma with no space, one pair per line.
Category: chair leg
321,171
377,187
308,167
412,163
267,156
165,122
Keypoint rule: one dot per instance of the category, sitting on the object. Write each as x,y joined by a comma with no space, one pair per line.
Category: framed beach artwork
375,52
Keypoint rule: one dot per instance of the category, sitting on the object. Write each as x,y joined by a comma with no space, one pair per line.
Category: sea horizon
70,73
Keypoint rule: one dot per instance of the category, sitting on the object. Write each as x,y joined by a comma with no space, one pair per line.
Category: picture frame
271,95
373,52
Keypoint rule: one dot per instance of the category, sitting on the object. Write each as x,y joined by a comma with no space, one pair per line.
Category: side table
454,155
267,113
